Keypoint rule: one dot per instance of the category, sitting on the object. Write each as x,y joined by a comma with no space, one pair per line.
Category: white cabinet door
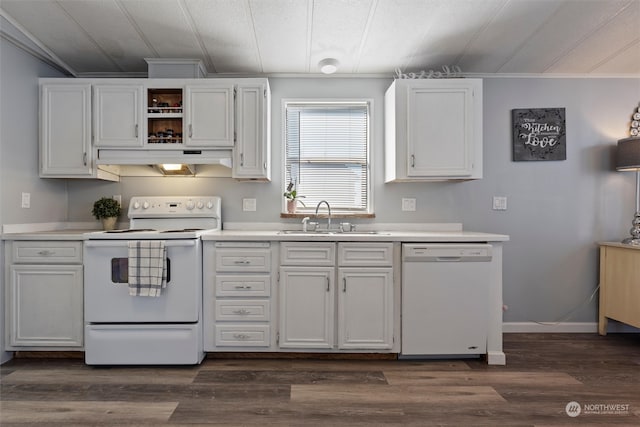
65,131
433,130
365,308
209,116
252,155
439,131
307,307
118,111
45,306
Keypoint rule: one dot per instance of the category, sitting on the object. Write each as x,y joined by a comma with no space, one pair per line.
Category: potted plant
292,198
107,210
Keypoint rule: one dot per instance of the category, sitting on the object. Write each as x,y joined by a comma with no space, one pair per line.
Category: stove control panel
174,207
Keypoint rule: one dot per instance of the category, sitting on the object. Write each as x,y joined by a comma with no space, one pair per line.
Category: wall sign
539,134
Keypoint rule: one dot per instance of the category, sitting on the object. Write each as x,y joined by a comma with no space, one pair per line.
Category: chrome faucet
329,208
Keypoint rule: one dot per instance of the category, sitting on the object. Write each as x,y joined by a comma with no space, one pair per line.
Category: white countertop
252,231
381,236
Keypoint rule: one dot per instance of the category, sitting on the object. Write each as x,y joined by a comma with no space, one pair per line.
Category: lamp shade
628,154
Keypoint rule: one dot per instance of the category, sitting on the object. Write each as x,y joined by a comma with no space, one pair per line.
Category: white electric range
125,329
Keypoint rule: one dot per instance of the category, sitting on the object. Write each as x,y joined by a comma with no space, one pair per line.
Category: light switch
409,205
249,205
499,203
26,200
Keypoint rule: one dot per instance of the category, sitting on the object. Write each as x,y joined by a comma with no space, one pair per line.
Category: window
327,154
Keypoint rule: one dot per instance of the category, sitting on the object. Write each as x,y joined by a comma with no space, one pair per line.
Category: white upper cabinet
209,116
252,154
118,111
433,130
65,131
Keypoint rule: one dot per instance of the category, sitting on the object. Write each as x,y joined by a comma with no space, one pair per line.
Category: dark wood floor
544,373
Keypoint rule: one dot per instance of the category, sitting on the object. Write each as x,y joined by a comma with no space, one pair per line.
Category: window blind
327,154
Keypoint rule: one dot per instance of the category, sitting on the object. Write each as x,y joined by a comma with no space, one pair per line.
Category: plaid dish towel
147,267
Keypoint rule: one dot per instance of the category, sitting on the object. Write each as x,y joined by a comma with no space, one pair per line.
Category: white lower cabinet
344,308
44,295
237,296
307,301
365,309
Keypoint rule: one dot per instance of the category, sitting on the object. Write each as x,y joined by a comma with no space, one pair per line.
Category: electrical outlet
26,200
249,205
499,203
118,198
409,205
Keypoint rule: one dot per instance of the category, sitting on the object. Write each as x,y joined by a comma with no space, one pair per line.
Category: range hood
154,157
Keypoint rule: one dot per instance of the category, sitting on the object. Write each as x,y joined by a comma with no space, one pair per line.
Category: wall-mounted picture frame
539,134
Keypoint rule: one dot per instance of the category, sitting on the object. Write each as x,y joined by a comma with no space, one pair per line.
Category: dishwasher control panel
444,252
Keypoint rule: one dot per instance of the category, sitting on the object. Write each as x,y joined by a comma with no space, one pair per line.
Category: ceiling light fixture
328,65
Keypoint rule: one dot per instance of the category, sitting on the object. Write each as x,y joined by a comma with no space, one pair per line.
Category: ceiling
256,37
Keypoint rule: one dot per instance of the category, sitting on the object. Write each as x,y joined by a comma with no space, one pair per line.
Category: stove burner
130,230
182,230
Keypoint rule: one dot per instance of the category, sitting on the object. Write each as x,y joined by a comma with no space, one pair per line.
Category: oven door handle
123,243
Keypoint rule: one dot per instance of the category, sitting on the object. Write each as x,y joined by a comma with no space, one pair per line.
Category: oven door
106,290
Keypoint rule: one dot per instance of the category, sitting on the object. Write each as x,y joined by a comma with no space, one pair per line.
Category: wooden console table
619,285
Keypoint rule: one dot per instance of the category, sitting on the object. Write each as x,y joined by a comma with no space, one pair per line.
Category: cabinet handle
241,312
413,161
242,287
242,261
264,166
46,253
136,130
328,282
84,158
241,159
344,284
235,114
190,131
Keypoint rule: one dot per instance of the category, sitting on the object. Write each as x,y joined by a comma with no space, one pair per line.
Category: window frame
305,211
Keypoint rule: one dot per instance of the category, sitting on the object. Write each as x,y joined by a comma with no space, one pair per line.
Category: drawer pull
242,286
241,336
242,261
46,253
242,312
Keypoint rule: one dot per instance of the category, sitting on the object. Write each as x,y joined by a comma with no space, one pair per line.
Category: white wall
19,131
557,211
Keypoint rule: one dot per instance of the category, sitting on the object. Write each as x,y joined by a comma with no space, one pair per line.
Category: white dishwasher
445,299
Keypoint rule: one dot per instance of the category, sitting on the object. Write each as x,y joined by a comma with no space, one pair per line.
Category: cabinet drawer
243,285
243,310
50,252
308,253
243,260
365,254
242,335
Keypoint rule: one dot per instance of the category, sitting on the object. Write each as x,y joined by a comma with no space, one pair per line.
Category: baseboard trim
565,327
562,327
